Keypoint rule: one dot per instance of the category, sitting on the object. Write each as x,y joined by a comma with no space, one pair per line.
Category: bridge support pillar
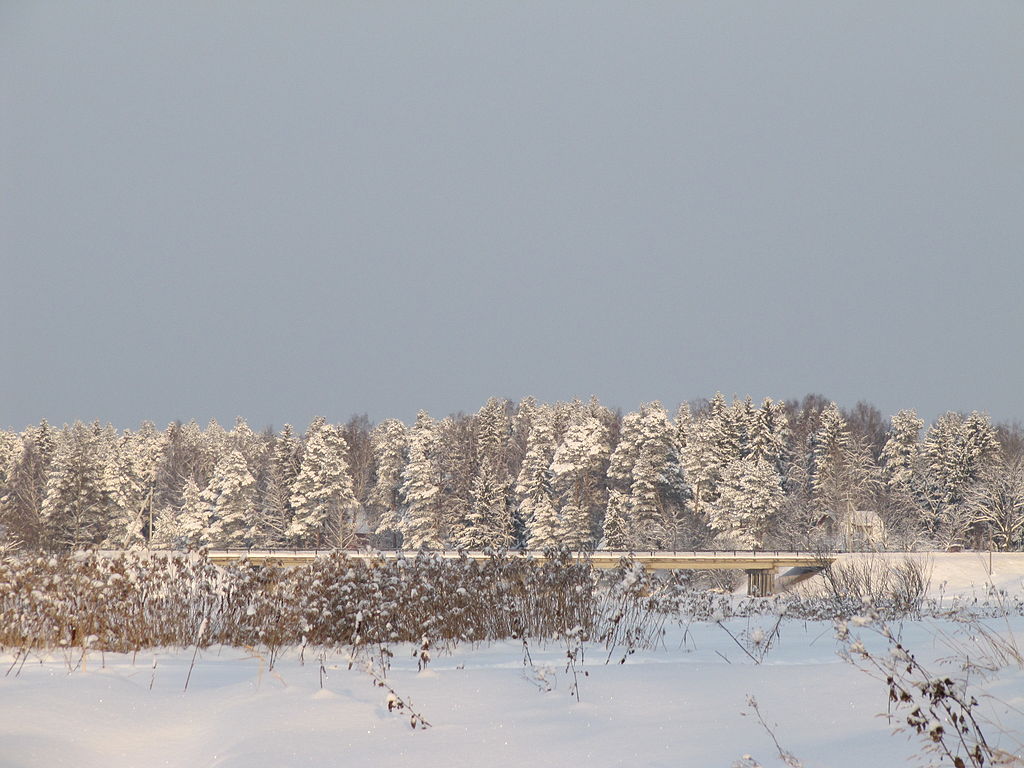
760,582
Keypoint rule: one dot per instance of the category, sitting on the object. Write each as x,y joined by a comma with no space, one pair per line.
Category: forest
716,474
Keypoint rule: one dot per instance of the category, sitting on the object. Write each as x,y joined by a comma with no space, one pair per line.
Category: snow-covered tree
323,501
522,425
493,429
185,527
390,441
740,421
74,505
252,446
618,529
482,517
21,498
996,501
956,450
770,435
714,441
684,428
535,496
230,499
10,446
844,474
130,476
282,472
578,470
489,523
422,521
829,453
646,471
622,459
750,495
955,455
901,449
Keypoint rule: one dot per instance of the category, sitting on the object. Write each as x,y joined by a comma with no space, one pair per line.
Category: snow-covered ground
960,573
683,704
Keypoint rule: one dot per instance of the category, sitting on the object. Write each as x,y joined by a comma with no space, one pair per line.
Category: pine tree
627,451
740,420
252,446
485,520
652,522
124,494
10,446
230,499
844,473
323,500
980,445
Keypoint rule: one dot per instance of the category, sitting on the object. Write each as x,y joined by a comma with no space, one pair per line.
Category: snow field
681,704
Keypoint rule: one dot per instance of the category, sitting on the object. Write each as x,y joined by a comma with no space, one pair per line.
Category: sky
279,210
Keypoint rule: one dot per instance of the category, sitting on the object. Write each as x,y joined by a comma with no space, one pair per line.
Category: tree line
715,474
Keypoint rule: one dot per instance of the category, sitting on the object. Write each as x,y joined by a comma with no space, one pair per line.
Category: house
862,529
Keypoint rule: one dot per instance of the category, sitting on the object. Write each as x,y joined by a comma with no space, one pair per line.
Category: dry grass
892,587
127,602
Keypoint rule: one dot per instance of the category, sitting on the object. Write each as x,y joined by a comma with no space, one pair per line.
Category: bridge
761,566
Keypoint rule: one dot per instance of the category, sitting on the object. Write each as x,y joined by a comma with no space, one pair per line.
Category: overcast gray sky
279,210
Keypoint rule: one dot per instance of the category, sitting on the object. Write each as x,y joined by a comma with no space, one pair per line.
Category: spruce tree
422,522
829,456
533,490
188,527
283,471
770,436
230,500
21,499
956,454
130,478
390,441
900,452
323,501
578,470
750,497
714,441
493,430
647,473
74,505
489,522
618,528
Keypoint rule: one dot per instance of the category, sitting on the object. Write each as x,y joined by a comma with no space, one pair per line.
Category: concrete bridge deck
760,566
